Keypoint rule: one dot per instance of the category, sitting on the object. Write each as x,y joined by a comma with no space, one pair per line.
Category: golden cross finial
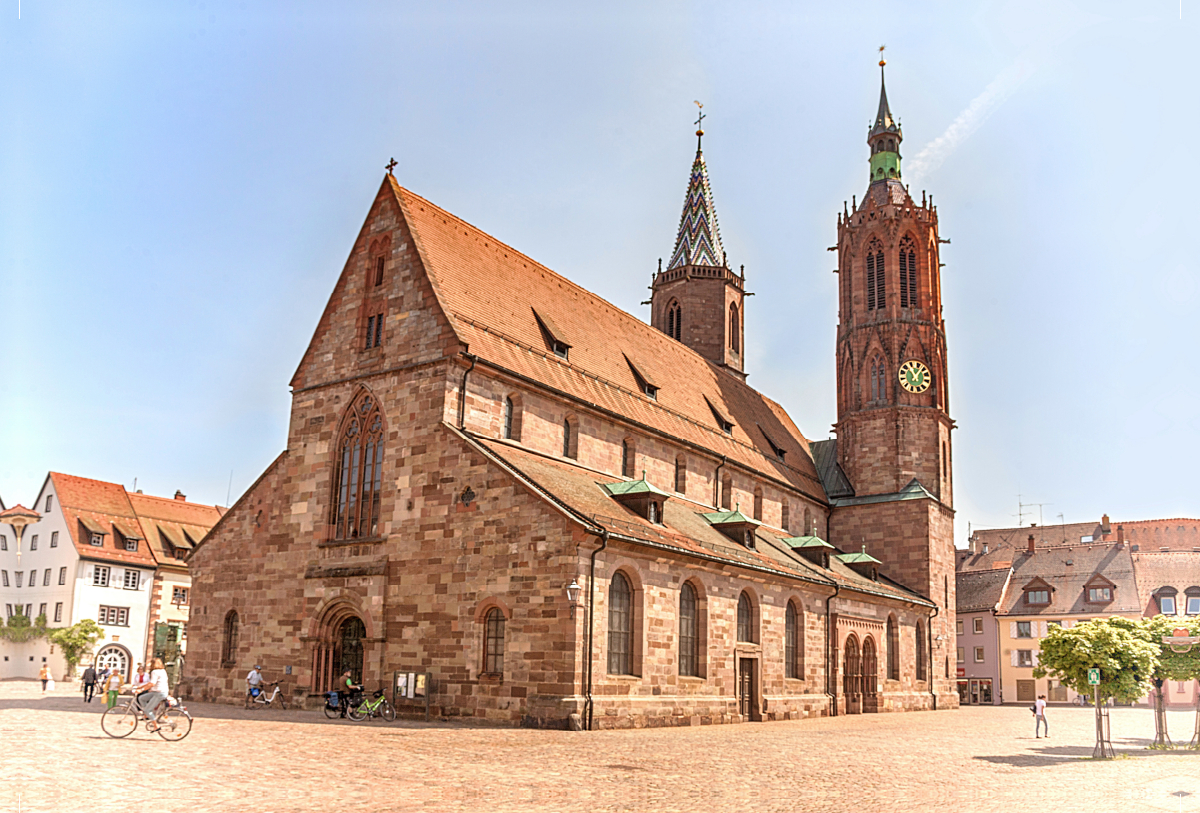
882,61
391,165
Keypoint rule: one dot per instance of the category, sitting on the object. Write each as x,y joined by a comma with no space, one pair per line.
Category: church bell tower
697,299
893,428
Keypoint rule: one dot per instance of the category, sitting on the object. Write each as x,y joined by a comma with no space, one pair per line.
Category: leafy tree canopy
1173,665
76,640
19,629
1118,646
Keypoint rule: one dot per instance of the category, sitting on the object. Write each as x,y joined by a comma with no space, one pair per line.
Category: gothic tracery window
689,639
675,321
358,477
620,626
876,290
745,619
908,273
878,380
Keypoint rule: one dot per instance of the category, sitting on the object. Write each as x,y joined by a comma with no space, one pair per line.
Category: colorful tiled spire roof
699,239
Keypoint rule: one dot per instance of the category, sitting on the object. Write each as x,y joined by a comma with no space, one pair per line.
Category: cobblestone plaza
971,759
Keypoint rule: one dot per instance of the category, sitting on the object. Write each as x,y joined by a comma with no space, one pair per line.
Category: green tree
76,641
1118,646
1172,665
19,629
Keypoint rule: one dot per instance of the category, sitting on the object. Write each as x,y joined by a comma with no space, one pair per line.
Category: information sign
1093,677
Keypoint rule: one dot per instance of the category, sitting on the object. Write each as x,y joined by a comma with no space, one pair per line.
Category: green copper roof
631,487
798,542
729,518
857,558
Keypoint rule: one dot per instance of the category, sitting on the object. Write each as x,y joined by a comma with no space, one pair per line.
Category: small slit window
675,321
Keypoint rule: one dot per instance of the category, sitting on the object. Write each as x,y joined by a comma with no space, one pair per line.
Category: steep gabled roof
97,505
981,590
178,520
499,302
1069,570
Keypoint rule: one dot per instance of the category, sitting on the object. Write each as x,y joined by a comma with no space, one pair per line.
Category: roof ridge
651,403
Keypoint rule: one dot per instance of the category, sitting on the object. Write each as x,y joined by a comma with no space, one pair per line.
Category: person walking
1039,716
89,684
44,675
253,682
112,686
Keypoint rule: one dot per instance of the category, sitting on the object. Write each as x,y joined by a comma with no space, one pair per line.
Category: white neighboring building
87,557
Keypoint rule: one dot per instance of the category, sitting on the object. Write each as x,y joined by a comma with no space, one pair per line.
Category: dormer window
776,449
723,422
1037,596
1099,594
652,512
131,544
554,337
97,540
1192,601
640,497
648,388
1166,605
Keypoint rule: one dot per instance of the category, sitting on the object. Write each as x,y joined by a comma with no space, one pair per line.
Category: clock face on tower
915,376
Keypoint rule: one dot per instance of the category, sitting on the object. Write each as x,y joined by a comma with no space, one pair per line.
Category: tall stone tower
893,428
697,299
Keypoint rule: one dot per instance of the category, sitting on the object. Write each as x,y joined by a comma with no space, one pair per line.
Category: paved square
56,758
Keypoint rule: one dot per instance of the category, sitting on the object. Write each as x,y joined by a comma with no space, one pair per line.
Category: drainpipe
717,483
462,390
932,691
587,691
829,654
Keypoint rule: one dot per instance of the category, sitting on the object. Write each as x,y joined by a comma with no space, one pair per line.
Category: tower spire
884,137
698,241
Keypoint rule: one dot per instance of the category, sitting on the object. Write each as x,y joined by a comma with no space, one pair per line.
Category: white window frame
62,575
132,579
176,592
100,576
959,624
1167,606
97,540
977,626
979,654
20,574
1193,605
1025,658
130,543
962,655
1029,625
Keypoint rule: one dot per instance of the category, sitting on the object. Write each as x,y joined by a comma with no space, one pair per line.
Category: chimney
1120,535
1032,544
1104,526
179,495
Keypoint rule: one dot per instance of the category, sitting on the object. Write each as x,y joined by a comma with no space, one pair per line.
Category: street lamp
573,591
18,517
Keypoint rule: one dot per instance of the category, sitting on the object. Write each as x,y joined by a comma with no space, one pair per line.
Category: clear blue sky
180,185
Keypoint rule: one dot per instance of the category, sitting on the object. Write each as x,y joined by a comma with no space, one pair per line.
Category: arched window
785,516
349,653
791,643
878,380
921,665
508,418
689,629
493,642
851,668
681,474
620,626
908,273
727,491
870,668
675,321
229,644
627,459
876,291
745,619
358,476
893,649
570,441
810,528
758,503
734,323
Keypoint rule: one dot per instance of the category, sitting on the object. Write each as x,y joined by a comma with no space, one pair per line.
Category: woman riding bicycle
155,694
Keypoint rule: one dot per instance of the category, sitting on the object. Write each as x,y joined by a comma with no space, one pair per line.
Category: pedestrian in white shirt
1039,716
253,680
155,695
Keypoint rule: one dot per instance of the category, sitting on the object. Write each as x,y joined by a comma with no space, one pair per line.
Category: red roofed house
567,516
96,553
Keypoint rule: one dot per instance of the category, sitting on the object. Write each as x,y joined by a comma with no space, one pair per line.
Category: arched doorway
340,645
852,676
870,676
115,657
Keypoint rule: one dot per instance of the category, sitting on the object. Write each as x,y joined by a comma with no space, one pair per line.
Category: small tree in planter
76,641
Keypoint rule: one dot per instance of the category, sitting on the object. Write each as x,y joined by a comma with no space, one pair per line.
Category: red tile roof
175,517
490,293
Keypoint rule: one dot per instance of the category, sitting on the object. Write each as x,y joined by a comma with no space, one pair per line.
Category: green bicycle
378,706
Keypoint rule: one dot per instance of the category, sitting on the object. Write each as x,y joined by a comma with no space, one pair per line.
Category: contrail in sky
968,121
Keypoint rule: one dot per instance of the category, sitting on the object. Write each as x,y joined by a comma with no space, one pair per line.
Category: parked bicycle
173,724
339,705
262,700
377,706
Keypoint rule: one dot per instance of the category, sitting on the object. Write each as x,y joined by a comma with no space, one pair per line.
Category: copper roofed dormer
862,563
735,525
813,548
639,496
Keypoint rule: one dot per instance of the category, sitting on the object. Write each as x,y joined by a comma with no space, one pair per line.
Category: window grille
58,605
493,645
62,575
20,574
745,619
132,579
620,626
46,578
689,639
358,478
99,576
229,643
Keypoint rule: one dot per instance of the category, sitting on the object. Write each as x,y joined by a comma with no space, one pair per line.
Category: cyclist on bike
253,682
152,696
345,687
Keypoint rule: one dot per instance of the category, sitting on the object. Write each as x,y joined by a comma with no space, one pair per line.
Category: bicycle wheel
387,711
120,721
174,724
249,701
282,702
331,712
359,713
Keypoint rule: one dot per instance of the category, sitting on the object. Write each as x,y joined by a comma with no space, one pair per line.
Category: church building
567,517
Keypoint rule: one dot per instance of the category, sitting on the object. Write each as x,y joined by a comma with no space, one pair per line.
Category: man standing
252,682
89,684
1039,714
